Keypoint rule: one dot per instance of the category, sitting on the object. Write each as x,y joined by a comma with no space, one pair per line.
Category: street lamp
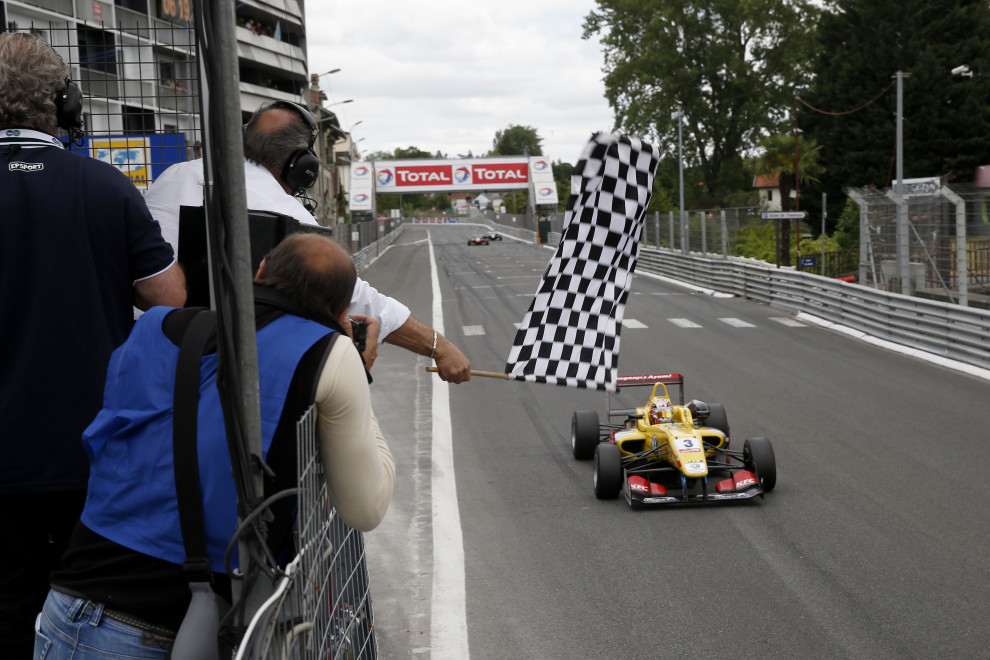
354,124
679,116
339,103
327,73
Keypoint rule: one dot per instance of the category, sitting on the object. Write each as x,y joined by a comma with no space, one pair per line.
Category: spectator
122,586
78,247
276,139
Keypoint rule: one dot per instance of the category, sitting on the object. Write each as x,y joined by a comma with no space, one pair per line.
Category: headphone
303,167
68,110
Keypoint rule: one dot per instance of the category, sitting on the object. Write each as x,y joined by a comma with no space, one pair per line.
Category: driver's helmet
661,410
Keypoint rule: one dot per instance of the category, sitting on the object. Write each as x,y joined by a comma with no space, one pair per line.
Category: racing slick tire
608,471
585,434
717,418
758,458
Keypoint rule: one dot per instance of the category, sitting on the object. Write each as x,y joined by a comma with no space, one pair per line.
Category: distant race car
667,453
493,236
478,240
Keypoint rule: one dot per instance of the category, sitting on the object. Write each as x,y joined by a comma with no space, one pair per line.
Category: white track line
448,628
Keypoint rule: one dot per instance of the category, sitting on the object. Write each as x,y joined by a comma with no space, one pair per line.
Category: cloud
445,76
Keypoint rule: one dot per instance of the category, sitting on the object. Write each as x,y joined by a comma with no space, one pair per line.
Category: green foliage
756,242
847,227
793,161
862,45
517,141
411,152
562,176
759,242
731,66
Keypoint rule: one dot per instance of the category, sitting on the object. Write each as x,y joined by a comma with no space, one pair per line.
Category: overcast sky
443,75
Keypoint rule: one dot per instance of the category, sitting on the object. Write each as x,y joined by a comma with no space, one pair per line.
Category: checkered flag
570,335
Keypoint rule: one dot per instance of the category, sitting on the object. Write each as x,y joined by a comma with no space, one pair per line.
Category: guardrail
952,331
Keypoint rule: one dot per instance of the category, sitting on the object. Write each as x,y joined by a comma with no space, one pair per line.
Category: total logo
361,171
385,177
462,175
360,198
545,192
541,165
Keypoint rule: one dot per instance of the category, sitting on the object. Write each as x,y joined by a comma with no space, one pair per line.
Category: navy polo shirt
75,235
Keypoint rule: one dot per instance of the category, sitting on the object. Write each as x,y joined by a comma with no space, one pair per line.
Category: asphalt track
873,545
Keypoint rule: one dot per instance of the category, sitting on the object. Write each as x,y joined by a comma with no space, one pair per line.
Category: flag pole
485,374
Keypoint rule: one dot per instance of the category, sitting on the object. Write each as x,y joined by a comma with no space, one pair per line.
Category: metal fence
140,90
935,244
139,78
322,608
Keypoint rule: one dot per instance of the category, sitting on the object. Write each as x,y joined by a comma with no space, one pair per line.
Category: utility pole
679,115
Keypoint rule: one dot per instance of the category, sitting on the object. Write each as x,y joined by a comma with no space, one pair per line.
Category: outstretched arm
414,336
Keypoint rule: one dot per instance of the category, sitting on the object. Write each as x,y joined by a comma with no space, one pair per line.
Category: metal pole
903,244
725,237
824,213
227,219
680,170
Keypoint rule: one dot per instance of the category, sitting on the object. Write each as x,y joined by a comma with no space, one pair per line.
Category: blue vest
131,498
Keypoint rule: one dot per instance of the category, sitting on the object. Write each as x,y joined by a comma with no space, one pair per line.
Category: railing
952,331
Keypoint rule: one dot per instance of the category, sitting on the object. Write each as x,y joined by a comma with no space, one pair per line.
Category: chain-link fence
140,90
937,244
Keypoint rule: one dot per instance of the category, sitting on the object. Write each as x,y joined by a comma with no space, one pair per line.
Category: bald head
315,272
273,134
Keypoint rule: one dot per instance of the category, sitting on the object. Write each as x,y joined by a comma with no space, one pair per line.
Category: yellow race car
670,453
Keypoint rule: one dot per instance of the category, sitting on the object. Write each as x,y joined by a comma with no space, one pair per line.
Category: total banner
542,186
361,195
398,176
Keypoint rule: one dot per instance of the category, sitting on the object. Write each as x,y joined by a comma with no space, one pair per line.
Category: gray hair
31,74
272,148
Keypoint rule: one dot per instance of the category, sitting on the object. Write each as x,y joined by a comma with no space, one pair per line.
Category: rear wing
645,380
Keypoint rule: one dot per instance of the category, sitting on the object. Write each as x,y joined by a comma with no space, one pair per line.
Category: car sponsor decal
658,500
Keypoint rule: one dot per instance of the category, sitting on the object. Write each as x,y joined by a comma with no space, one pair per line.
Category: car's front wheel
608,471
585,434
758,458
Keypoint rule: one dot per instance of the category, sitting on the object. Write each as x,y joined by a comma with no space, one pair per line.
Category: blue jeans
70,627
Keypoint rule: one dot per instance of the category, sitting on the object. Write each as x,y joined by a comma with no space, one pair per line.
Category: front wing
655,483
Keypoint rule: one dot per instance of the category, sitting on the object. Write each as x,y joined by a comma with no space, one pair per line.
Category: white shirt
183,184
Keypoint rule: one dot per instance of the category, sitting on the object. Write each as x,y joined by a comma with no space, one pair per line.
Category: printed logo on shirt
18,166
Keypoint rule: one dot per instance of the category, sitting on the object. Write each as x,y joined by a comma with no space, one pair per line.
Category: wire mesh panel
322,608
140,91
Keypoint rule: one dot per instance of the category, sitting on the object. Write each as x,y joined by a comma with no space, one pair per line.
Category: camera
359,333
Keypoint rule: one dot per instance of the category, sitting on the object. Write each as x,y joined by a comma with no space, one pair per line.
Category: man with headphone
78,248
280,163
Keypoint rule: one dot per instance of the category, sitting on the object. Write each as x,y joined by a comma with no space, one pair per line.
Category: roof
766,180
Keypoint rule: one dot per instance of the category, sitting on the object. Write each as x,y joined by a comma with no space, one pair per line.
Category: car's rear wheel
758,458
585,434
608,471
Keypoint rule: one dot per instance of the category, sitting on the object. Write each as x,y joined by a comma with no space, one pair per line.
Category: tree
791,164
517,141
851,108
410,153
562,177
731,66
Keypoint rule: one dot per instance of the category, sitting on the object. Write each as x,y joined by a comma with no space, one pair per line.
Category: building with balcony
135,61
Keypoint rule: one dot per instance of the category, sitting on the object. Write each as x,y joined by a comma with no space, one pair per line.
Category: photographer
122,587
